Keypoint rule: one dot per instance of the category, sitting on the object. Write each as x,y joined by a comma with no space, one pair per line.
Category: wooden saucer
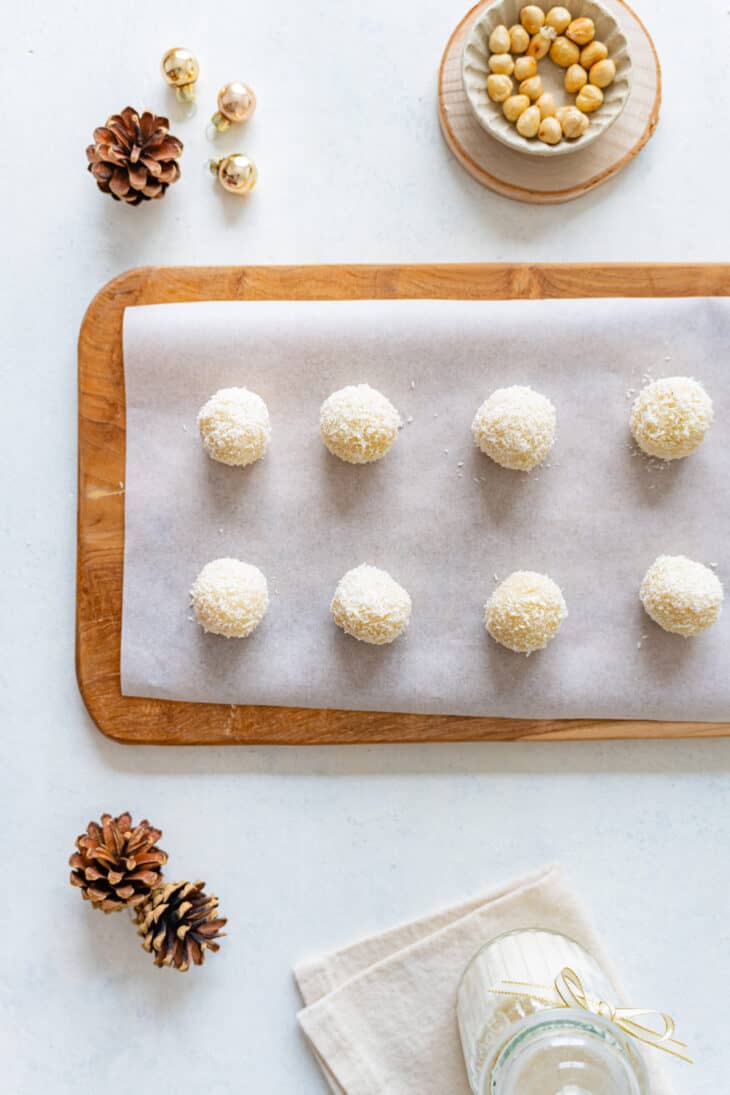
548,181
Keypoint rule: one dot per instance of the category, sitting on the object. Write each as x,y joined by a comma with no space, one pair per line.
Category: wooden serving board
100,560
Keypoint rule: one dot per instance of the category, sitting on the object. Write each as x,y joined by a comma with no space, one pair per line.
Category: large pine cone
117,864
134,158
178,923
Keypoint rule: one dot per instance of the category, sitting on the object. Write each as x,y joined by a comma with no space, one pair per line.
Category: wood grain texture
100,557
549,181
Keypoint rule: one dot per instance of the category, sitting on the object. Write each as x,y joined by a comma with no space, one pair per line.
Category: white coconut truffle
680,595
670,417
515,427
234,427
525,611
358,424
230,598
370,605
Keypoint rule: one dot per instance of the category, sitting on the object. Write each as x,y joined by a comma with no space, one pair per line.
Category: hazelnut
519,39
564,53
540,43
501,64
499,40
499,87
589,98
514,106
550,131
546,105
532,88
602,73
594,51
576,77
559,19
532,18
573,122
581,31
525,67
528,122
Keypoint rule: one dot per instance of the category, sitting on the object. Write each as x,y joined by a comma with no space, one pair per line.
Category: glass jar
526,1045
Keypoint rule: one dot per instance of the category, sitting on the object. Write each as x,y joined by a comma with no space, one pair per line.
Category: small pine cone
117,864
178,923
134,158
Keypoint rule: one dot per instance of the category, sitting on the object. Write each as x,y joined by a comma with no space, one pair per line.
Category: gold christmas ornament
236,104
180,69
236,173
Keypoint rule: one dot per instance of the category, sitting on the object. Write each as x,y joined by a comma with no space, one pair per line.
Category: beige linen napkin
380,1016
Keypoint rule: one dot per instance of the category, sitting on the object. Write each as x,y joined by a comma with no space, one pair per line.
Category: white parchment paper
442,518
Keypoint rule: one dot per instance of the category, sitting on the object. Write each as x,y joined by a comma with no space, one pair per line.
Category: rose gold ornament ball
236,101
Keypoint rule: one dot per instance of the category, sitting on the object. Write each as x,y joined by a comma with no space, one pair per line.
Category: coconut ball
670,417
230,598
370,605
680,595
234,427
525,611
358,424
516,427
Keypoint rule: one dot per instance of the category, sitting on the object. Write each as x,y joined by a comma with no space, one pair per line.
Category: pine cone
178,922
134,158
117,865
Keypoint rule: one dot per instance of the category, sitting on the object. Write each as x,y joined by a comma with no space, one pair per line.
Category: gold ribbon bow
567,992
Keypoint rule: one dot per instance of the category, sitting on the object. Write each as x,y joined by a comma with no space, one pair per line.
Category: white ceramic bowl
475,70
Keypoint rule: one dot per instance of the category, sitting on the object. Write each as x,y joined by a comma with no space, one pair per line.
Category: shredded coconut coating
230,598
358,424
525,611
515,427
369,605
234,427
670,417
680,595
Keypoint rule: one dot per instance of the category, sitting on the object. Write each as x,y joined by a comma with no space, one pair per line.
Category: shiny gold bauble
180,69
236,173
236,104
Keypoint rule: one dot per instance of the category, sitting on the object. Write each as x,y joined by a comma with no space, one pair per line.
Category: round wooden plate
548,181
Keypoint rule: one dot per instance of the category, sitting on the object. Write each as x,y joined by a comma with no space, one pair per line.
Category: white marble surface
307,848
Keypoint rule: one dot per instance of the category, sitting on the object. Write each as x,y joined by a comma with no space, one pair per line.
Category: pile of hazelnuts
572,45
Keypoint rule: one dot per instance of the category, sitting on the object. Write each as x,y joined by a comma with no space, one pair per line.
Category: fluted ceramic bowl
475,70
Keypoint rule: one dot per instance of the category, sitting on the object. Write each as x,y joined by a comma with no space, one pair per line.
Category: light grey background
435,513
307,848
